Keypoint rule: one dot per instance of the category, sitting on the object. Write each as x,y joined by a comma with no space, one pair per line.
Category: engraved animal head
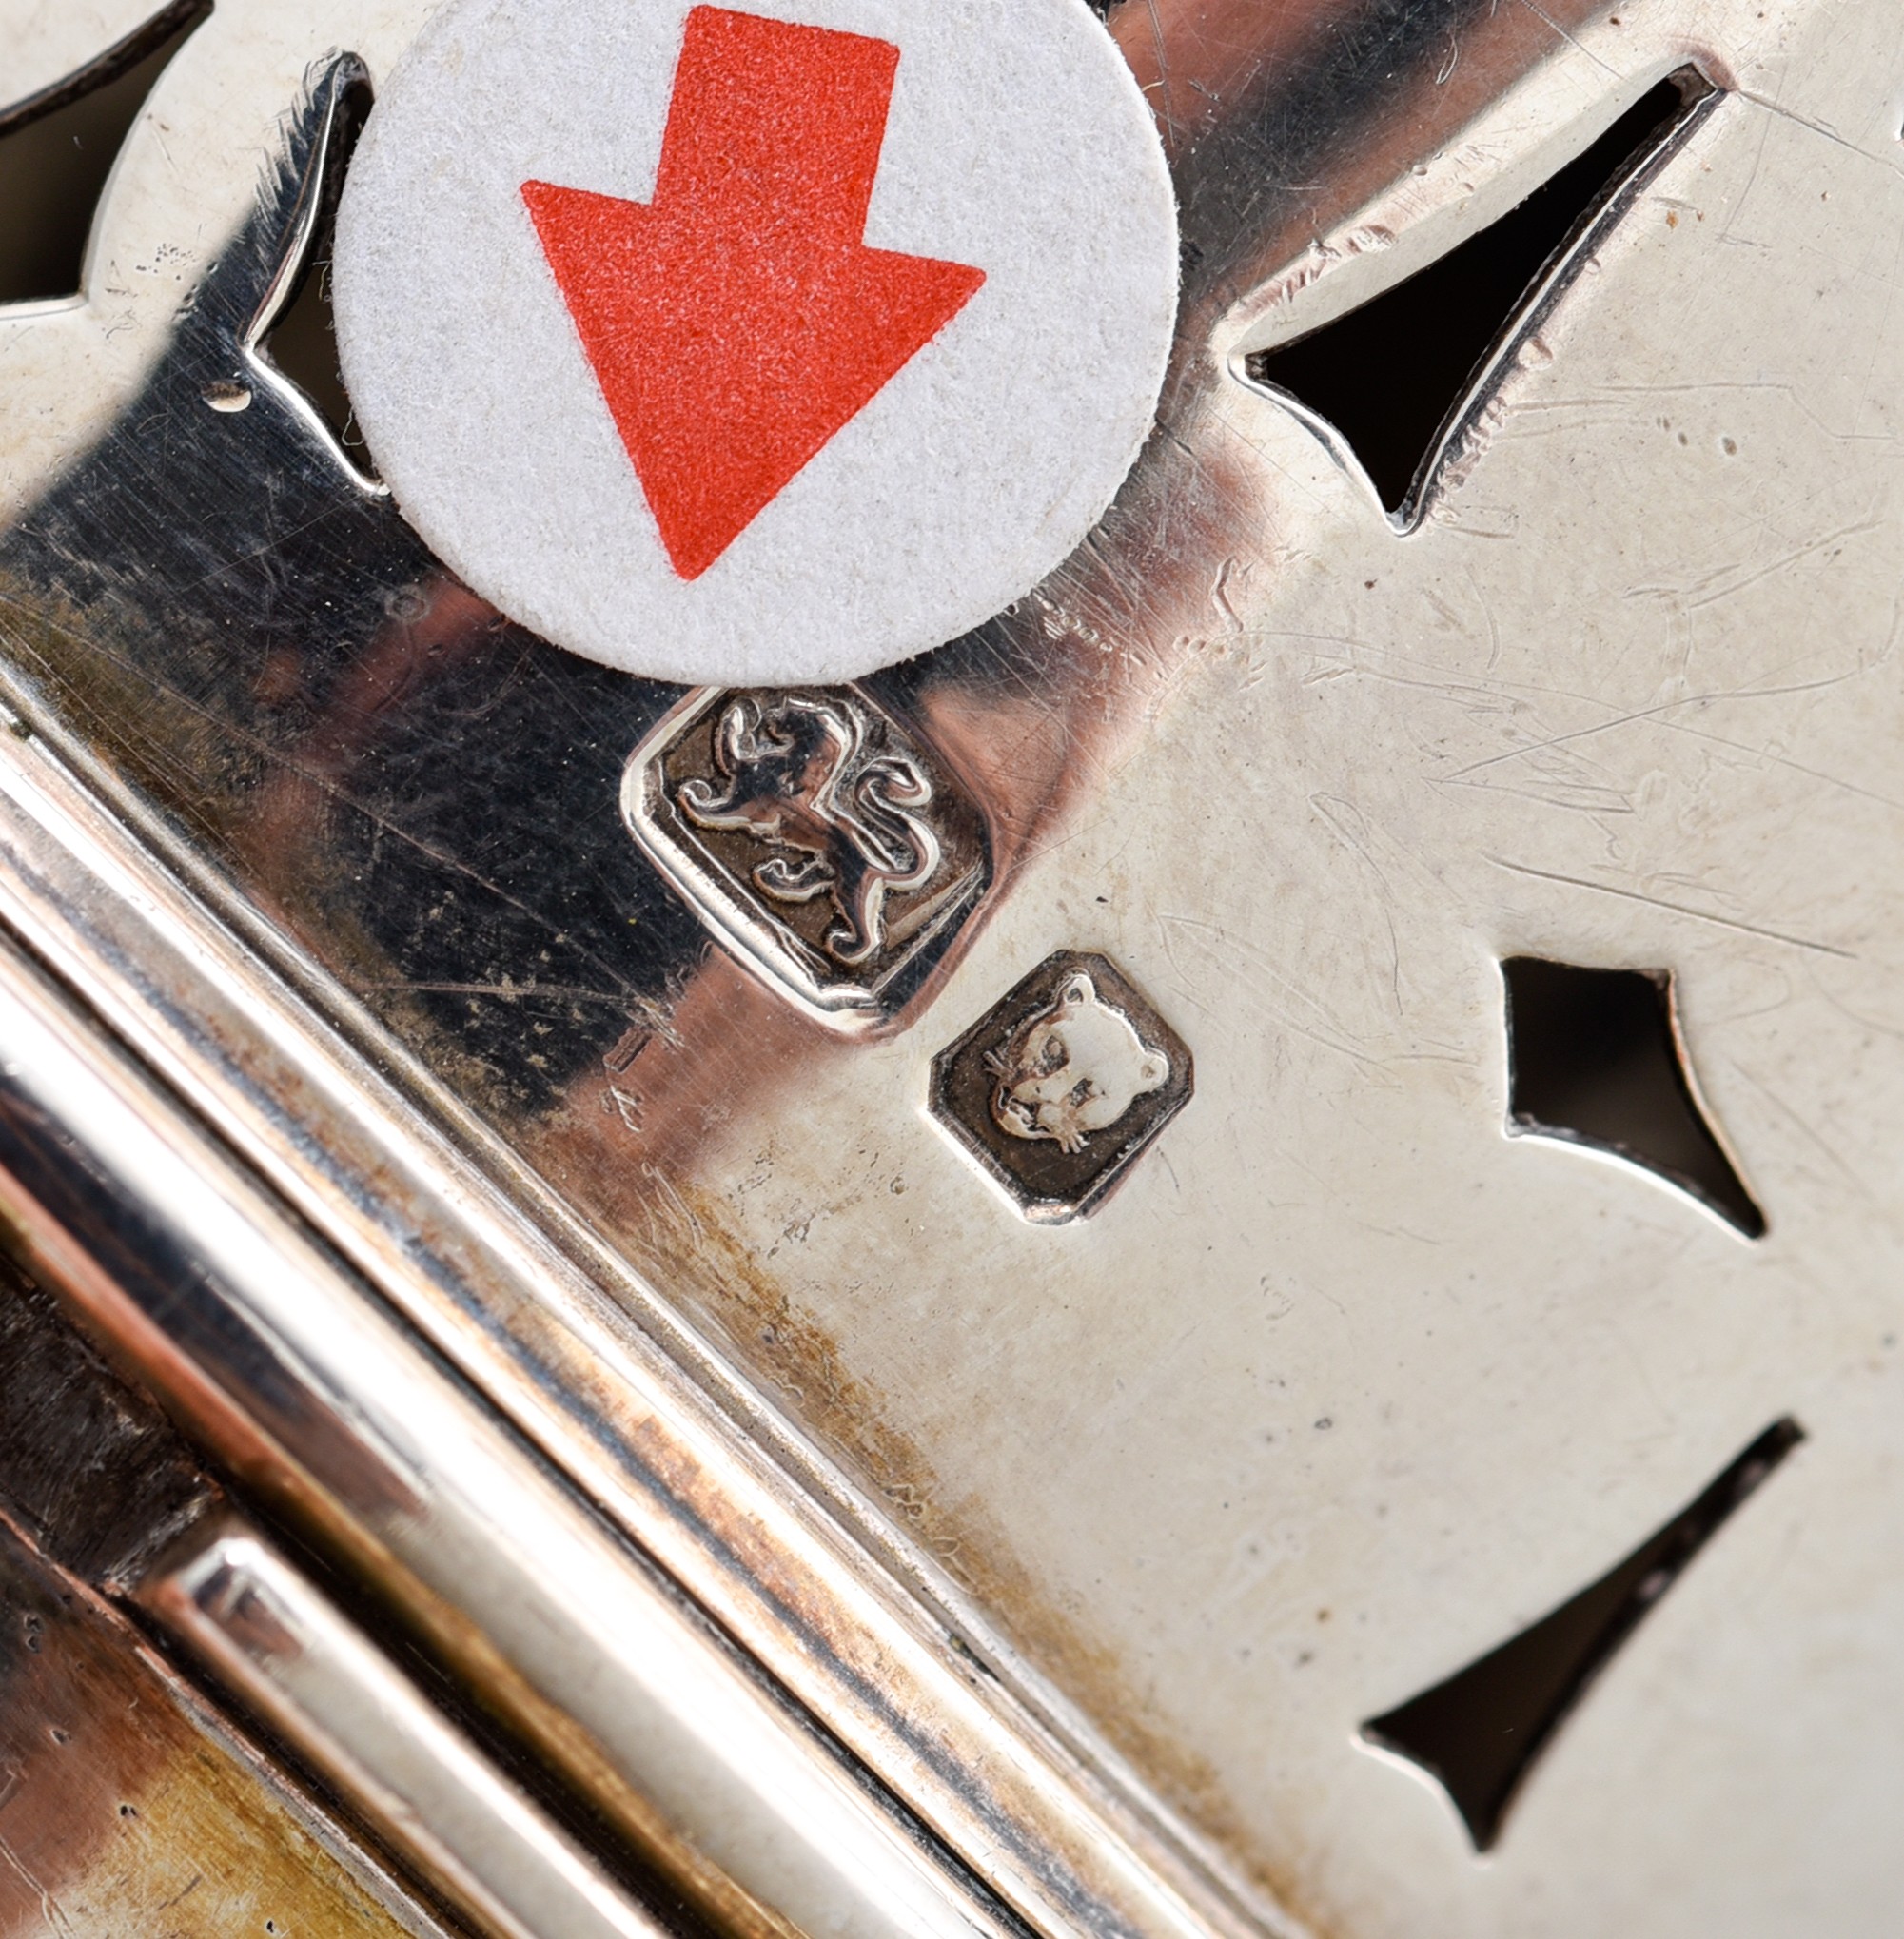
800,777
1073,1069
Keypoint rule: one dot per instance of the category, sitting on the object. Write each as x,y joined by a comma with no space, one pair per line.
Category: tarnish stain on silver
1063,1085
266,1346
271,1637
129,1808
1626,695
816,836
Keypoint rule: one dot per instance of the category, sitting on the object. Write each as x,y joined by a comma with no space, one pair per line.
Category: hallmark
1062,1086
817,837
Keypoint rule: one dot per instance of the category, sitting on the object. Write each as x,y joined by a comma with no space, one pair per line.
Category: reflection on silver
409,811
305,1389
273,1638
815,836
698,1476
130,1809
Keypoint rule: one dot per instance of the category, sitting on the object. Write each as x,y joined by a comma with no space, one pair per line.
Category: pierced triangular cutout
1478,1734
57,149
298,335
1593,1058
1393,373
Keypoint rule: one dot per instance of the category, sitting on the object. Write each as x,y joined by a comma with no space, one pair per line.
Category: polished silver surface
271,1637
130,1808
696,1469
528,1292
317,1398
1100,1544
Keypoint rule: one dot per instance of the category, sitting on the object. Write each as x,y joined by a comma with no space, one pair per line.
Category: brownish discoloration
684,1244
1081,668
122,1815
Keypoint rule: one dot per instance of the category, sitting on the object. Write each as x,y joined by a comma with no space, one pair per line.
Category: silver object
816,838
267,1632
1058,1090
299,1385
1063,1566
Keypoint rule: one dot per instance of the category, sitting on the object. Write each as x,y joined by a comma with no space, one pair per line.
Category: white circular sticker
761,344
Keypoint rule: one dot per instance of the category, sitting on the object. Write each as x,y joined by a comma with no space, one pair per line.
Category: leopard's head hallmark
1063,1085
1075,1067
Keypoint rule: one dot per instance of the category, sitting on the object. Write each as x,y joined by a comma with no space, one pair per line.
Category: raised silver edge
309,1392
656,1428
126,1708
274,1641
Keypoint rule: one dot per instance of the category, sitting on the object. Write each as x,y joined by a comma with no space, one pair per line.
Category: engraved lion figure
796,773
1074,1067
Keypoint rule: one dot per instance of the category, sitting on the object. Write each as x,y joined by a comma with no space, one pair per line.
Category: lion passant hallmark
949,968
816,836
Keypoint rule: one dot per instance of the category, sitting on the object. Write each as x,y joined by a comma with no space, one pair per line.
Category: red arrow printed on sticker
736,323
